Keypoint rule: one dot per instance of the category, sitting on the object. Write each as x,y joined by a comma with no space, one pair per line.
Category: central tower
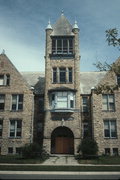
62,124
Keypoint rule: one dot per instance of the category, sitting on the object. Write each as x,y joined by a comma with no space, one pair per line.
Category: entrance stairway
61,160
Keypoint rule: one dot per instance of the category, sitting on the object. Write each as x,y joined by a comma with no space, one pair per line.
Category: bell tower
62,123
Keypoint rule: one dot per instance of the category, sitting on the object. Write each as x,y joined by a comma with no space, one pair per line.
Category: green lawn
101,160
57,168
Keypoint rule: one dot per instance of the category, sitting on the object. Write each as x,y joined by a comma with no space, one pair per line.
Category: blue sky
23,23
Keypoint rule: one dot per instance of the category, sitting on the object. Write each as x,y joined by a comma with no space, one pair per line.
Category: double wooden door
64,145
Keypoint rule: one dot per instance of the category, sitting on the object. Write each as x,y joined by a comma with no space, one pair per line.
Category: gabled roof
62,27
87,80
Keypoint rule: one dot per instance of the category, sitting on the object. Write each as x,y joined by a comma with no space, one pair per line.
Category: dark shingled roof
62,27
87,80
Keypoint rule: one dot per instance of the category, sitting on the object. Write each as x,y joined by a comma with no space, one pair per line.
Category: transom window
15,128
17,102
4,79
110,130
108,102
62,45
62,100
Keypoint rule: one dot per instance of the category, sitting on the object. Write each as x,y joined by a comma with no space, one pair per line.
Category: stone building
60,107
16,109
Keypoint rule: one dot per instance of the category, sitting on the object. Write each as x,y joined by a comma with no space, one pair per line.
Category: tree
113,40
112,37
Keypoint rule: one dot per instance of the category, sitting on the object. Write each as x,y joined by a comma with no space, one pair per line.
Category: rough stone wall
17,86
98,115
50,125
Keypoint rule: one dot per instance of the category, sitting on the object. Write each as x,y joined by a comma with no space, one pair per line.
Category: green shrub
33,150
88,147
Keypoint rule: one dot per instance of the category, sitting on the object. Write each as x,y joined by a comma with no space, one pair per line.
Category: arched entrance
62,141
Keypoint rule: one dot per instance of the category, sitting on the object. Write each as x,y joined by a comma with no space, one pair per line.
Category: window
41,104
15,128
108,102
115,151
10,150
17,102
110,130
4,80
118,79
1,127
70,75
62,46
54,75
107,151
2,101
62,75
85,129
62,100
18,150
84,104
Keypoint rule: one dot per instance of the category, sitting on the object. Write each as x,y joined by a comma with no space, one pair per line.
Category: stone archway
62,141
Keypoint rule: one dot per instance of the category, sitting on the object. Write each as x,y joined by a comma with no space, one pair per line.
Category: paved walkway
61,160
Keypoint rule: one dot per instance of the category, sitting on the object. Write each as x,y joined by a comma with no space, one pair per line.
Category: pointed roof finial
62,13
75,26
3,51
49,25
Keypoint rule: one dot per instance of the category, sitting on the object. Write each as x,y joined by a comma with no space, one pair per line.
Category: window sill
110,138
62,110
59,56
16,111
108,111
15,137
62,82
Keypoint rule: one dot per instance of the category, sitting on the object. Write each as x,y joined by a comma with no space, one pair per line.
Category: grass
19,160
58,168
101,160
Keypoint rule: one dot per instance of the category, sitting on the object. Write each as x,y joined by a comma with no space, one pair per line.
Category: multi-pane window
17,102
18,150
115,151
69,75
62,46
108,102
62,100
1,127
2,101
15,128
4,80
118,79
54,75
84,104
107,151
110,129
10,150
85,129
62,75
